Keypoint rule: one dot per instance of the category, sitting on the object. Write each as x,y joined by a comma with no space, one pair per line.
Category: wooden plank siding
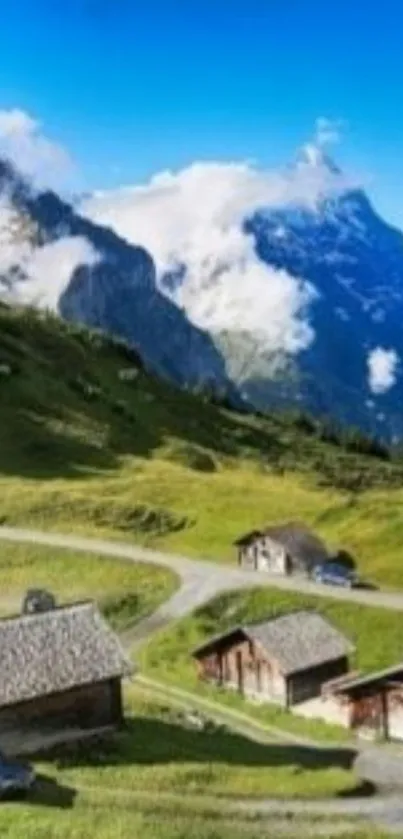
244,667
369,714
88,707
378,715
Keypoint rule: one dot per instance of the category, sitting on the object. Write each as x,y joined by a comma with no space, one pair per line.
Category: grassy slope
375,632
156,752
152,780
146,462
125,591
130,818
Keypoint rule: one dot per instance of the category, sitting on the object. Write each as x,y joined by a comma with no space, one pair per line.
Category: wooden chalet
371,705
282,549
60,677
285,659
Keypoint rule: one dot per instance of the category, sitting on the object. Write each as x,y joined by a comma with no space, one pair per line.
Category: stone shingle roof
297,539
304,547
360,683
297,640
249,537
300,640
57,650
293,535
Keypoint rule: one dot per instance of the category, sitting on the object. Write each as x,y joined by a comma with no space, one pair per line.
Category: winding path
201,579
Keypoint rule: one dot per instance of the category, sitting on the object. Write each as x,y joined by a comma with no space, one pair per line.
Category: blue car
15,778
332,574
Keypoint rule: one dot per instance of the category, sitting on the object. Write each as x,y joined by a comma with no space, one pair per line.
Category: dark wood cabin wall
243,665
307,684
90,706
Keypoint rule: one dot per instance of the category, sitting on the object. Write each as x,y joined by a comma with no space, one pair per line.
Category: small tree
38,600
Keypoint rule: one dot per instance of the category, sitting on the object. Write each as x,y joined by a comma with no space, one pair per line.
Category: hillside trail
201,579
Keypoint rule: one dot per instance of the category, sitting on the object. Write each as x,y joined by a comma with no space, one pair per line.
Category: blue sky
132,88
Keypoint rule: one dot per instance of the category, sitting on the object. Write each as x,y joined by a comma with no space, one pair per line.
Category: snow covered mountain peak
294,275
286,282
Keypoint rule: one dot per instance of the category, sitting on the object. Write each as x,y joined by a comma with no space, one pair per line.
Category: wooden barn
371,705
60,677
283,549
285,660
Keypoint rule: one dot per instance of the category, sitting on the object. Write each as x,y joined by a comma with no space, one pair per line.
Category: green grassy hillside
82,450
125,591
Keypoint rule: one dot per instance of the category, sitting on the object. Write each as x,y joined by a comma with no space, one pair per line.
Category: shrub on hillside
303,422
352,480
109,514
192,456
355,441
121,611
329,433
122,409
38,600
89,390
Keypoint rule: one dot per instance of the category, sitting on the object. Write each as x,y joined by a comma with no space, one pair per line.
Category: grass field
133,817
159,504
376,633
81,450
125,591
161,779
157,752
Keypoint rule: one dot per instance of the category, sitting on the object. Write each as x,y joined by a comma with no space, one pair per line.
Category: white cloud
328,131
41,273
11,248
15,122
195,217
382,369
314,153
22,142
51,267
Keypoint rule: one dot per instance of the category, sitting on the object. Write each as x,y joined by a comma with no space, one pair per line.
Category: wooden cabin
372,704
285,659
284,549
60,677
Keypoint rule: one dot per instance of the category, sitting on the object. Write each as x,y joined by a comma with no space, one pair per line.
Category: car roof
334,566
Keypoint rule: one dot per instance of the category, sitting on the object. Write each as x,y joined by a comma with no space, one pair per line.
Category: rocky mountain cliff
51,256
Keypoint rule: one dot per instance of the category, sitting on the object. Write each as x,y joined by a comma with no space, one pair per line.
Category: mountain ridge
298,258
116,292
345,250
349,260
